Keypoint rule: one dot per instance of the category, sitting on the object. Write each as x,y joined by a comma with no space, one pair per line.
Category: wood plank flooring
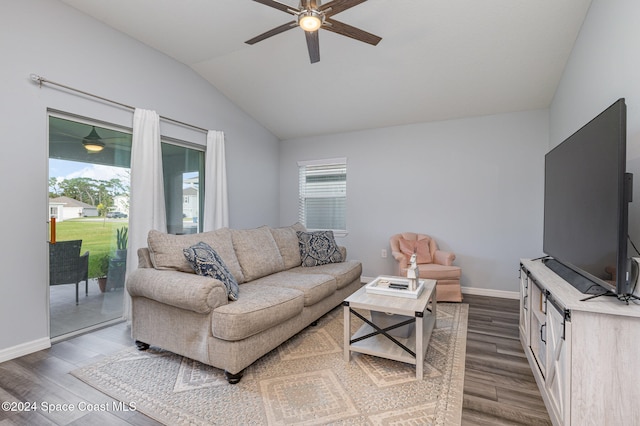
499,387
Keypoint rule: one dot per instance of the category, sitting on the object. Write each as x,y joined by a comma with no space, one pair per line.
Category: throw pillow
205,261
318,248
420,247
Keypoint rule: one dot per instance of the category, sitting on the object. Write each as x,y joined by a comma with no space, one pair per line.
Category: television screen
586,202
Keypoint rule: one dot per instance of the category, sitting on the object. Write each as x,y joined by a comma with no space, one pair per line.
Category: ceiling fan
312,16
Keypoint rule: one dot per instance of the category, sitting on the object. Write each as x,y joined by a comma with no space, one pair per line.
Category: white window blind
322,201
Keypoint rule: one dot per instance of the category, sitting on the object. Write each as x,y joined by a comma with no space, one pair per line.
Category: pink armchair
433,263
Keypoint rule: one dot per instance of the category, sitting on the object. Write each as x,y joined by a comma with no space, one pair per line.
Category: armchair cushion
318,248
420,247
435,271
205,261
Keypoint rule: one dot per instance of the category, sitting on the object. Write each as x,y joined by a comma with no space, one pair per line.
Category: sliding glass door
88,208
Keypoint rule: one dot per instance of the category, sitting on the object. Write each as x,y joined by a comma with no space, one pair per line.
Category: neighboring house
190,202
64,208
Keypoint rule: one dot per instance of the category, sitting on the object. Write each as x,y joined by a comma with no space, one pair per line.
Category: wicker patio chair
66,266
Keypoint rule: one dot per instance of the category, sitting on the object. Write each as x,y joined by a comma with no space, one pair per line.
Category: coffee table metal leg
419,347
347,333
434,305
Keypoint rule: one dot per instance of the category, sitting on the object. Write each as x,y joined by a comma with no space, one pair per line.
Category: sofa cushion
287,242
257,252
316,287
318,248
205,261
260,308
344,272
165,250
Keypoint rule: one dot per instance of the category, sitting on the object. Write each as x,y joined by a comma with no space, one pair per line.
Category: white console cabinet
585,355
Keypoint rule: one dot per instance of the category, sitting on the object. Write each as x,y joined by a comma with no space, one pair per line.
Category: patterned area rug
305,381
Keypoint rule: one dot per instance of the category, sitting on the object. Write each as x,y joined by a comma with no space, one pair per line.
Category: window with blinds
322,200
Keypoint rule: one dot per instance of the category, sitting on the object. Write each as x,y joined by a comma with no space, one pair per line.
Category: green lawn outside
98,237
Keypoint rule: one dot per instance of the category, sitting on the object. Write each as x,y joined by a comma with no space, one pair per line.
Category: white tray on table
381,286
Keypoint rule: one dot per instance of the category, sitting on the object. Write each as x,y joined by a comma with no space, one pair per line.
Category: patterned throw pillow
318,248
205,261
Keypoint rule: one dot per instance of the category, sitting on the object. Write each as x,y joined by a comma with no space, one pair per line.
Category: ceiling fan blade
277,5
352,32
313,44
338,6
277,30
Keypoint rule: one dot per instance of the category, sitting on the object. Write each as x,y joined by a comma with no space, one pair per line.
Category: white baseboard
472,290
24,349
491,293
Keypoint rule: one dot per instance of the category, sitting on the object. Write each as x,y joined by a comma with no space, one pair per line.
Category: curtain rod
41,80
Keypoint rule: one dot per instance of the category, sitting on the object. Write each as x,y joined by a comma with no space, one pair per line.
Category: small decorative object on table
413,273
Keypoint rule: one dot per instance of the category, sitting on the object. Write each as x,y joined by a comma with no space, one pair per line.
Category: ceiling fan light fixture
92,141
312,16
310,20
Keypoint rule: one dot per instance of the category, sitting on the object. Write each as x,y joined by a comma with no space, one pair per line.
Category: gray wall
604,66
50,39
474,184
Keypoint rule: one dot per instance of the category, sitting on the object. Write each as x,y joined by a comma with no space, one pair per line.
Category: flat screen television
586,196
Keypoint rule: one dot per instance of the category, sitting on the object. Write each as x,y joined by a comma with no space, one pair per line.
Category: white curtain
146,199
216,204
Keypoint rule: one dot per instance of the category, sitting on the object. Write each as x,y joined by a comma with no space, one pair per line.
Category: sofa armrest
445,258
186,291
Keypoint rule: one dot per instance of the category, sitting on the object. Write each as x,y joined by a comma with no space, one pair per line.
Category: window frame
302,214
201,150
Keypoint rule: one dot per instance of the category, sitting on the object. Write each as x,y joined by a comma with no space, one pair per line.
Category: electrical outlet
383,254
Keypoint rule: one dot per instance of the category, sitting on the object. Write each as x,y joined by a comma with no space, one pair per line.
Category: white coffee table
372,339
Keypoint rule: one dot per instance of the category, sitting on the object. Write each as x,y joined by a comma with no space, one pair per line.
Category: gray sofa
175,309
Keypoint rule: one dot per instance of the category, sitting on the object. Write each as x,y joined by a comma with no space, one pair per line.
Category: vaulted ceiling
438,59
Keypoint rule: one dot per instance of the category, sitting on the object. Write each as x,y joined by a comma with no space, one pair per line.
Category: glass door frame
53,113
